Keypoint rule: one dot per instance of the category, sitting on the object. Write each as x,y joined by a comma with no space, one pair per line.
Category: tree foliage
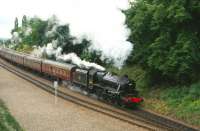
38,27
166,37
24,21
16,26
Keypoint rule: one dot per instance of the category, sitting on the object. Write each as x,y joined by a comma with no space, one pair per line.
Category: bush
184,102
166,39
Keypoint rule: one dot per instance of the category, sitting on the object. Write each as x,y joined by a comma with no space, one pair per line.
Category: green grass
182,103
7,121
179,102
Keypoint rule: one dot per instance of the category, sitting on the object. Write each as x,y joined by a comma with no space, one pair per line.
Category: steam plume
99,20
71,57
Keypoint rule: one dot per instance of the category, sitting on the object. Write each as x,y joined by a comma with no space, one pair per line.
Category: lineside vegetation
7,121
166,38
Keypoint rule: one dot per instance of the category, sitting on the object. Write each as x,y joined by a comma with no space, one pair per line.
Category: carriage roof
32,58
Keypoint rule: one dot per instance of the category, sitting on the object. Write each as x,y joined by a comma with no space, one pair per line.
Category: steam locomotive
112,88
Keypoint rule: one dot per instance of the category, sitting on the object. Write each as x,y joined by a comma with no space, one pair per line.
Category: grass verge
181,103
7,121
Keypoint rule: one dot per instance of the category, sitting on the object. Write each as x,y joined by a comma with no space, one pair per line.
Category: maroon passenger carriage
61,71
33,63
17,58
6,54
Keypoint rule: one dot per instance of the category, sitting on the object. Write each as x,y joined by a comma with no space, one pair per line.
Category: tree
166,37
24,21
16,26
38,27
16,23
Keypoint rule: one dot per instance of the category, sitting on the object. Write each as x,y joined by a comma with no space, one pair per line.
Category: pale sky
73,9
100,20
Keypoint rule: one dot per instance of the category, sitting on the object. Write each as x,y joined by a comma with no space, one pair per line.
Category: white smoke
99,20
103,23
52,32
50,50
27,31
15,38
73,58
38,51
53,23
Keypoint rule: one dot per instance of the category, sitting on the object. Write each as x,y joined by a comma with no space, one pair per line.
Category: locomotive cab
127,86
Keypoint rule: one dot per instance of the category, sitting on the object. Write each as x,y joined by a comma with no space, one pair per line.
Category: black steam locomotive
112,88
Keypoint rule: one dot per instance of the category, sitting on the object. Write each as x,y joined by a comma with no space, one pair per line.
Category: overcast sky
100,20
64,9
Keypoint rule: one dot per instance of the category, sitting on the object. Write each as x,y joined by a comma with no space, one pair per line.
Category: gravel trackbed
36,109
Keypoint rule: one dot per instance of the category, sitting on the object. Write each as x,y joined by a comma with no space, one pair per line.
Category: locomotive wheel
121,104
115,102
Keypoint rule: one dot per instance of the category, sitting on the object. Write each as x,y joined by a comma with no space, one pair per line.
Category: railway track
139,117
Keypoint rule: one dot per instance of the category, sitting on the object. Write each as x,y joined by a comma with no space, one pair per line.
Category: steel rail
147,117
83,103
